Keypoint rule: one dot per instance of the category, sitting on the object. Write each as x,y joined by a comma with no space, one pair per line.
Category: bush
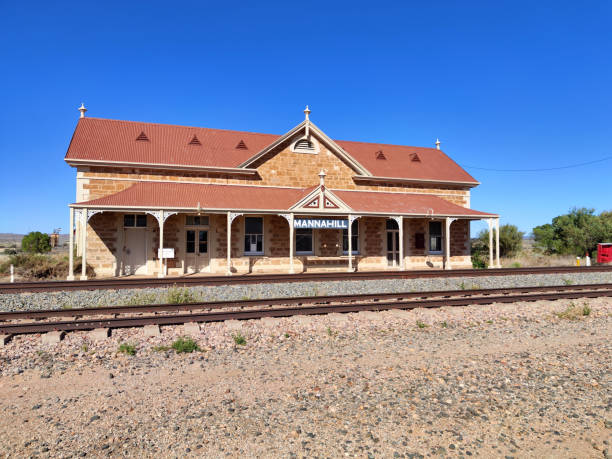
128,349
36,242
181,296
575,233
37,266
239,339
185,345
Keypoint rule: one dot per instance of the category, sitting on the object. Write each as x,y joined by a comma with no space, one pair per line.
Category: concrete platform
191,328
53,337
99,334
152,330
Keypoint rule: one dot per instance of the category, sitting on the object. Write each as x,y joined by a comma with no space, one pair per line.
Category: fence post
12,274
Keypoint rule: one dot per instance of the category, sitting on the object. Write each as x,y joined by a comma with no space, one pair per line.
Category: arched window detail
305,145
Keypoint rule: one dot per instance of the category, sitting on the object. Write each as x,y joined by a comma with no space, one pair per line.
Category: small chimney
437,144
82,109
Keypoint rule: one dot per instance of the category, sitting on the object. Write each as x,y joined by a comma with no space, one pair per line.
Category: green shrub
421,324
128,349
185,345
239,339
36,242
38,266
180,296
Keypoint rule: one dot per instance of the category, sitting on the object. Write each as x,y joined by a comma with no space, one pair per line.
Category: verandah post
161,244
350,244
84,244
71,247
490,222
497,242
291,243
229,244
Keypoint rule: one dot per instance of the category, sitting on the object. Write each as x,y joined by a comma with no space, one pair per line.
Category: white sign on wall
320,223
167,253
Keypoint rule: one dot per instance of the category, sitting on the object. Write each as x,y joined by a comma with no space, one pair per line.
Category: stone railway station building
162,200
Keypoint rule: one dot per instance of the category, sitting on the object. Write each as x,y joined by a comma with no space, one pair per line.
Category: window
138,220
253,236
354,239
303,241
305,146
435,237
193,220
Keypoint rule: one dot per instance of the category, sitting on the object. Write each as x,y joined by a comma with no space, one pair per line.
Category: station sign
320,223
166,252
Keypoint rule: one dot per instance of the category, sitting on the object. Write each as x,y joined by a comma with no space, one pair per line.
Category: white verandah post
490,222
447,240
400,223
289,218
71,247
497,242
291,244
84,244
161,244
229,243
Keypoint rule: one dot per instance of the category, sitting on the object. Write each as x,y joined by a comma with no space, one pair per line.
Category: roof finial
322,177
307,113
82,109
437,144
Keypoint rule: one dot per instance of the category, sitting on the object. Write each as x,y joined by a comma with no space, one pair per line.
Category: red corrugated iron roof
156,195
189,195
403,204
105,140
115,141
398,162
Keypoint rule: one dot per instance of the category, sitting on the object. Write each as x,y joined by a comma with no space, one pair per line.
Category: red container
604,252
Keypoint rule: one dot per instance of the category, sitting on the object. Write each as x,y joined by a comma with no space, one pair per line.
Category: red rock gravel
494,381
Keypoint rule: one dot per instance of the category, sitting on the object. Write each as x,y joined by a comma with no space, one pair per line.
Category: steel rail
185,281
177,319
300,300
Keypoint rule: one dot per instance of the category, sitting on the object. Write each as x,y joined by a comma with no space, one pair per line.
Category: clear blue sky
504,85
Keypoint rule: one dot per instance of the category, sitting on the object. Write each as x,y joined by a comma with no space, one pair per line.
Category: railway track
187,281
23,322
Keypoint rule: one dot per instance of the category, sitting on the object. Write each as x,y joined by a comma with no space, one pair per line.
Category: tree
36,242
574,233
510,240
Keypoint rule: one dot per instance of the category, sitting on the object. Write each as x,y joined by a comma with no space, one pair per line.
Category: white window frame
263,236
300,252
435,252
201,225
135,225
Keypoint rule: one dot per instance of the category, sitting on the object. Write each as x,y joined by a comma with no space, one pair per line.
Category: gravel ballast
501,380
111,297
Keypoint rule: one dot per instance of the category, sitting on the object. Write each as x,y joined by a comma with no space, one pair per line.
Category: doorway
393,255
135,251
196,250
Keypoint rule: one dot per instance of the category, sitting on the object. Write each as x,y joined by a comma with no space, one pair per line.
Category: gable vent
305,145
142,137
195,141
380,155
415,158
241,146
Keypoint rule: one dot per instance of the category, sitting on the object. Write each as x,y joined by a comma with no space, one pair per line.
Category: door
135,251
196,250
392,243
